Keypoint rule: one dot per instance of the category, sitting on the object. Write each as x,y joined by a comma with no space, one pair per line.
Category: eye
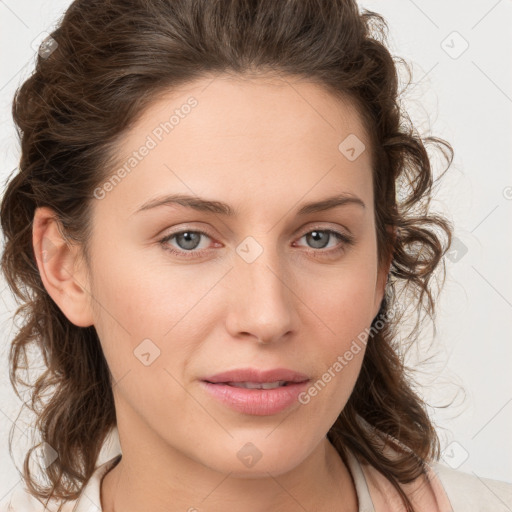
188,242
319,239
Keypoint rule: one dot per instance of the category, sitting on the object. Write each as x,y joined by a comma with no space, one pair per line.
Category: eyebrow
218,207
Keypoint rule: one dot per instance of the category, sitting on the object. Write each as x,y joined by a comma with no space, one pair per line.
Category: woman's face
183,293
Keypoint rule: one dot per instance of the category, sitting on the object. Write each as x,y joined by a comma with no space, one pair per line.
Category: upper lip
255,375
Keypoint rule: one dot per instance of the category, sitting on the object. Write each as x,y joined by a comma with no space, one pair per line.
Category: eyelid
322,227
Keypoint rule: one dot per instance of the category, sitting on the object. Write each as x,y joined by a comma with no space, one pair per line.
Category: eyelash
346,239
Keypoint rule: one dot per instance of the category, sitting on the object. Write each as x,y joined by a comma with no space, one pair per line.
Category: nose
262,299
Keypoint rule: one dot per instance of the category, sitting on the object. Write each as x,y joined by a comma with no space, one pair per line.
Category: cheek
144,309
344,308
344,302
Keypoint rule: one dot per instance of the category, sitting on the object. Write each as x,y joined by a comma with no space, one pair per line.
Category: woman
217,205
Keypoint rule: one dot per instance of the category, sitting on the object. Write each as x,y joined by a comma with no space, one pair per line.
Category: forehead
246,132
258,105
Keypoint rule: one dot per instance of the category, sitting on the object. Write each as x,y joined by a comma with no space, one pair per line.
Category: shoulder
440,489
468,492
20,500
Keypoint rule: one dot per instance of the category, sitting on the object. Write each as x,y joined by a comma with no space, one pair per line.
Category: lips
255,376
258,385
256,392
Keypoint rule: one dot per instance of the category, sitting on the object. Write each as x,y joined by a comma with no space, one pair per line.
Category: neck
152,475
122,489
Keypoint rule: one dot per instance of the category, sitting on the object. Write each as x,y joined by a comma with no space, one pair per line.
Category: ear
62,271
383,273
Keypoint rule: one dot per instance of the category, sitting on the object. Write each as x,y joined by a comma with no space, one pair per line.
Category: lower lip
259,402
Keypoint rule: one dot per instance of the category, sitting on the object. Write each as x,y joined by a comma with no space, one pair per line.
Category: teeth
257,385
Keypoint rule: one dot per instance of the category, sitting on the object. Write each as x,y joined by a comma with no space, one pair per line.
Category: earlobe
383,274
62,273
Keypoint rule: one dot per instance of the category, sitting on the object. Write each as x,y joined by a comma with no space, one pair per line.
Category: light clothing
445,489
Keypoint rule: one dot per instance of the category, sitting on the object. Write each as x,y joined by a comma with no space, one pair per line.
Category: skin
264,146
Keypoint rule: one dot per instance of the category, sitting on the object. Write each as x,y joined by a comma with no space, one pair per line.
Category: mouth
256,398
256,385
254,377
256,392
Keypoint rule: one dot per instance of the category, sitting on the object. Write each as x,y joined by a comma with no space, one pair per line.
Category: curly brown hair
108,60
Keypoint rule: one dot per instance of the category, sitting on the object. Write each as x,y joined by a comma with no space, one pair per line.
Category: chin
253,460
259,470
